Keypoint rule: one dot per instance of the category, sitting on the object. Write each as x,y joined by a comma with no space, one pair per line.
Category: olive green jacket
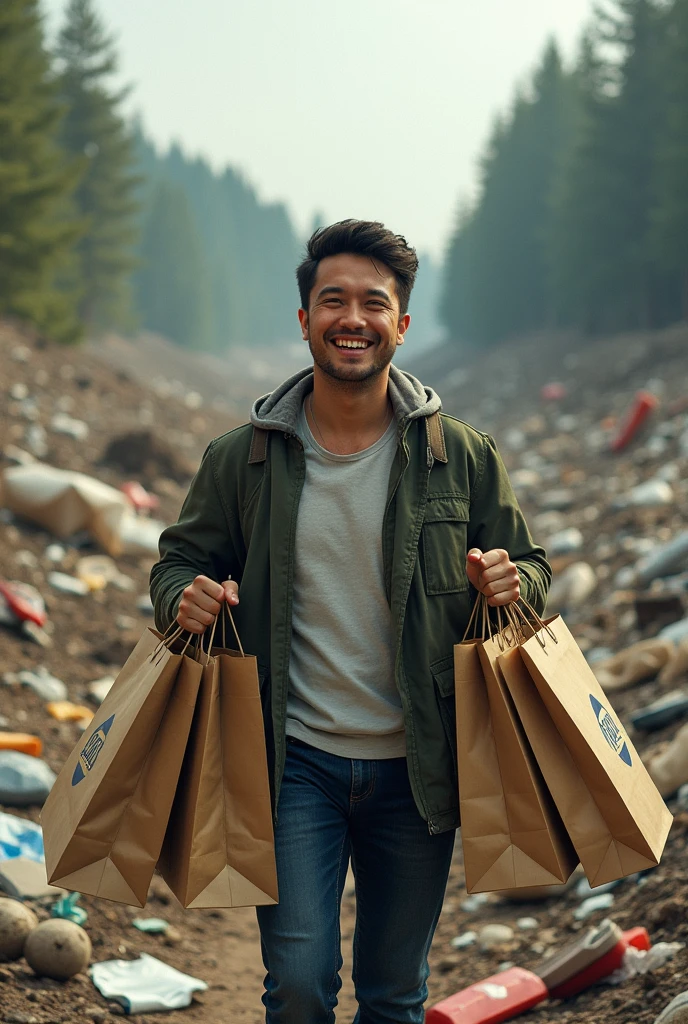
448,492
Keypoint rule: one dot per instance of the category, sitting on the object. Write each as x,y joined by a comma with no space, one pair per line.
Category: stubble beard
354,375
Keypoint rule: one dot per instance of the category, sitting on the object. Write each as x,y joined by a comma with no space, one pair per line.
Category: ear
303,320
402,328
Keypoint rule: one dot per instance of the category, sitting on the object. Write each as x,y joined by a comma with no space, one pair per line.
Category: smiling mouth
350,343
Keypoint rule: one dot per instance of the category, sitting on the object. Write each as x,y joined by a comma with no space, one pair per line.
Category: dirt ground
92,635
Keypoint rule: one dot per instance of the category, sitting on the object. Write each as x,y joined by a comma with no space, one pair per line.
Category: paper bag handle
231,619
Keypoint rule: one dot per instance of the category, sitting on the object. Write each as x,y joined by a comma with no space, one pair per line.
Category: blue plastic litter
20,838
66,907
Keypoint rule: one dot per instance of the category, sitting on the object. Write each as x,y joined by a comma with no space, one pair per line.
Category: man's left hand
494,575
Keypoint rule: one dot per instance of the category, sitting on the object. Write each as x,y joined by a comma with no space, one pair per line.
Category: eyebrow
336,290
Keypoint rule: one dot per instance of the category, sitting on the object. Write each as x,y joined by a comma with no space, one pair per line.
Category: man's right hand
202,601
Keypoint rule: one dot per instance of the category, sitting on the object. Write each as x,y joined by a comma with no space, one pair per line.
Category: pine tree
95,131
173,293
36,230
670,212
599,241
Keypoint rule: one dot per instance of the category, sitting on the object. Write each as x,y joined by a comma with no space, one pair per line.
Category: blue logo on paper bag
93,746
611,731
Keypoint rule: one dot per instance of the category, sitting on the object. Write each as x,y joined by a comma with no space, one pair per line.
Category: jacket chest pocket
443,544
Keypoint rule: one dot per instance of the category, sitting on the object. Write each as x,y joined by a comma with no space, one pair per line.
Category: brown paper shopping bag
219,847
614,814
511,832
105,818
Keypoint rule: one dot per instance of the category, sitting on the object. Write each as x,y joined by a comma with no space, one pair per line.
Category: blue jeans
332,809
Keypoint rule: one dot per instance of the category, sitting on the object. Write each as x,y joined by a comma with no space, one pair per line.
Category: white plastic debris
593,903
20,838
475,902
100,688
464,940
527,924
643,961
61,423
47,686
145,985
67,584
495,935
24,780
584,890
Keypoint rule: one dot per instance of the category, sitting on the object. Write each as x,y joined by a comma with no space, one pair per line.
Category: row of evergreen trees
99,231
581,219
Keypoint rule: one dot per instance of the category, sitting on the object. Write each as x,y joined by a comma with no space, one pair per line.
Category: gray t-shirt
342,695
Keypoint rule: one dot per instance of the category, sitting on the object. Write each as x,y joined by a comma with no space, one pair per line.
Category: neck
351,416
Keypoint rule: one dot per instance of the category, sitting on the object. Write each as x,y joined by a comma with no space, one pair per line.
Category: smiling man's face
352,324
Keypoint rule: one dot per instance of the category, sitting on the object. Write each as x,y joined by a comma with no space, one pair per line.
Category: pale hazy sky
370,108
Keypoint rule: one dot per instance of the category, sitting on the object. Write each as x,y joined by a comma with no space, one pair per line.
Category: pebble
527,923
67,584
475,902
495,935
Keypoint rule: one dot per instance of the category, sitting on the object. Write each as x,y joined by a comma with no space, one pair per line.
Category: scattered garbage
526,924
20,838
636,663
643,405
651,494
603,901
66,907
644,961
20,602
497,998
24,780
16,924
475,902
151,925
669,768
139,496
571,588
57,949
585,890
669,708
96,571
565,542
26,879
665,560
99,688
67,584
464,940
145,985
61,423
65,711
21,741
42,682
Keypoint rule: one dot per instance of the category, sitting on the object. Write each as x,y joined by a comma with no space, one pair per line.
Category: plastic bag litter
24,780
144,985
643,961
20,838
47,686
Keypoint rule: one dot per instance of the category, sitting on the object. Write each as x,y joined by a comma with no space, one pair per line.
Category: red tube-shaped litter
643,405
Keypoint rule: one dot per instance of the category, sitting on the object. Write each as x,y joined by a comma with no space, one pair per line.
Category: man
358,524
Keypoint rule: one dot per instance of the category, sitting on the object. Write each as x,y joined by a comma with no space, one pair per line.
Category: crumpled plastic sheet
20,838
144,985
643,961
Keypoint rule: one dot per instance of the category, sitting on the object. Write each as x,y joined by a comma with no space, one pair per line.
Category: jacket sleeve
199,544
497,522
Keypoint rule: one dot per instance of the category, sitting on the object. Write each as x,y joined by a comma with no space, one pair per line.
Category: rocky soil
175,408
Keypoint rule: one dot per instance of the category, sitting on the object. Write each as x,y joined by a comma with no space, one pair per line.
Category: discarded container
23,603
145,985
643,405
24,780
139,496
495,999
602,967
47,686
24,742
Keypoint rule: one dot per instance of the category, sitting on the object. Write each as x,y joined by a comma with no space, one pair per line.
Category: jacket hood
279,410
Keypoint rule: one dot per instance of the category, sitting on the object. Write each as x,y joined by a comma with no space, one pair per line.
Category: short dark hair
361,238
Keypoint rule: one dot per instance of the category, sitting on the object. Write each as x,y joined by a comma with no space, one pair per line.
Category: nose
352,317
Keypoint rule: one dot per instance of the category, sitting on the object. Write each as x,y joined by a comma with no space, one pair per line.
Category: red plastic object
139,496
553,392
495,999
23,604
643,405
603,967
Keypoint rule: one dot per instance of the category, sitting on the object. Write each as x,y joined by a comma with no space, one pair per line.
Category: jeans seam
371,785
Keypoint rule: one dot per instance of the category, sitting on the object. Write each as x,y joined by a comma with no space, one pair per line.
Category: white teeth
351,344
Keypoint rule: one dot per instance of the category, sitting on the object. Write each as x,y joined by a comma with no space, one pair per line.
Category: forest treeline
581,218
100,231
